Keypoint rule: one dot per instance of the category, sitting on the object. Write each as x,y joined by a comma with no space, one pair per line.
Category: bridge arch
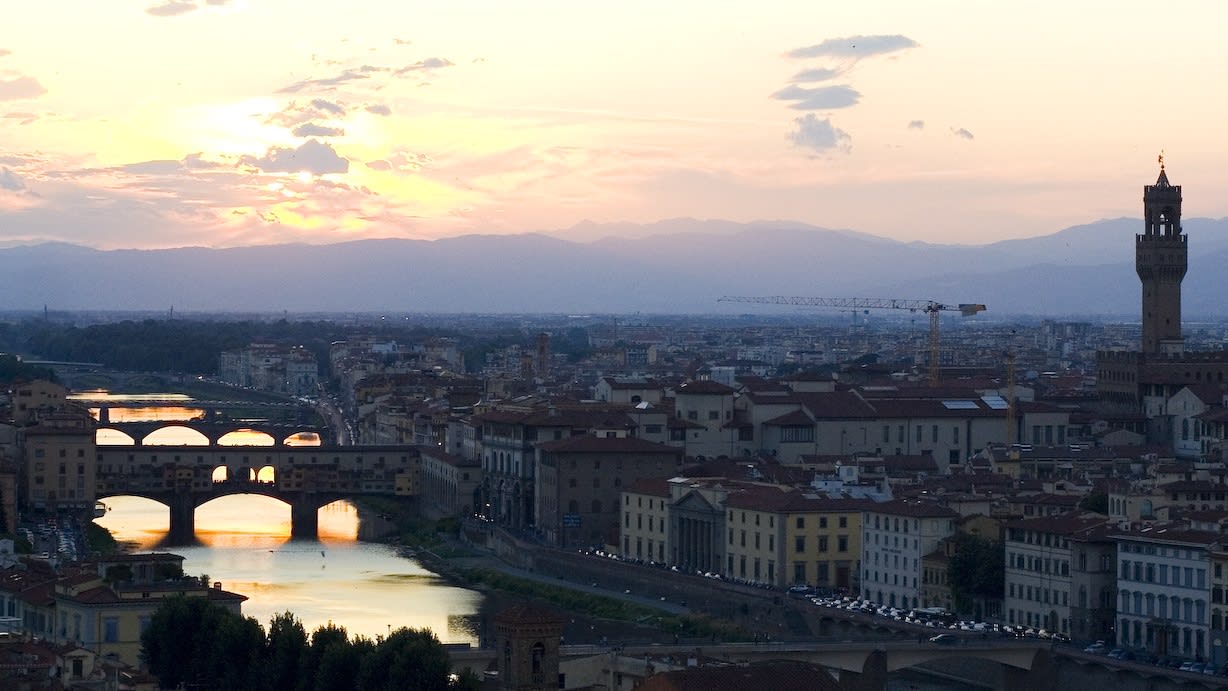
109,436
246,436
175,435
304,438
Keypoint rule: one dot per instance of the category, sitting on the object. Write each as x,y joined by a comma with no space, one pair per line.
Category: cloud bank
818,135
856,47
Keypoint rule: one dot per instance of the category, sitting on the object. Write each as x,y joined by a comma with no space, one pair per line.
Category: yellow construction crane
930,307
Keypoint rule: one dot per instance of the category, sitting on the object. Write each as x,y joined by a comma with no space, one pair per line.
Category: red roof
591,444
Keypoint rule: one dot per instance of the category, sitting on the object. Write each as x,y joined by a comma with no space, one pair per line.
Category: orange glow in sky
166,123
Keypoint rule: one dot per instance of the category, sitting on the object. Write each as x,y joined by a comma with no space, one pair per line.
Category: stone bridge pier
304,515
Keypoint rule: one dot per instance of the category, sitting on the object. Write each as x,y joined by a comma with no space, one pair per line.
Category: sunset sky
237,122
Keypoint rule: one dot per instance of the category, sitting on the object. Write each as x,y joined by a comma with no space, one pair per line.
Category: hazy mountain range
679,266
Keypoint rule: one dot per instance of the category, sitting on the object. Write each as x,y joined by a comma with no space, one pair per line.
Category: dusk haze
247,122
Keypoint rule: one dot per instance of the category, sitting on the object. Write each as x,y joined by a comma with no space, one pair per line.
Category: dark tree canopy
193,642
976,569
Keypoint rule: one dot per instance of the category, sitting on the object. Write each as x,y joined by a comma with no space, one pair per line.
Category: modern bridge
306,478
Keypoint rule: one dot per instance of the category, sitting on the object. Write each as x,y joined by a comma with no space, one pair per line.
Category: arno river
245,544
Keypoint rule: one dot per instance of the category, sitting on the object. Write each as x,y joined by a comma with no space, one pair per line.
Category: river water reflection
245,543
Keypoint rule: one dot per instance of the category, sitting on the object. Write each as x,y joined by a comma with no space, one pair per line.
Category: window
801,522
842,543
844,522
110,629
823,543
797,434
822,521
799,544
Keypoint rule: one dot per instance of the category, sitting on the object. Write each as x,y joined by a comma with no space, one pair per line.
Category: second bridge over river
306,478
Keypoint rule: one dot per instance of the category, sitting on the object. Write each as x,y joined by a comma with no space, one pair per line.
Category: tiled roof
655,486
792,418
1175,534
450,459
1064,524
705,387
913,509
590,444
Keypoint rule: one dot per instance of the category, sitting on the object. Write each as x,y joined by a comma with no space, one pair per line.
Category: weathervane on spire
1161,160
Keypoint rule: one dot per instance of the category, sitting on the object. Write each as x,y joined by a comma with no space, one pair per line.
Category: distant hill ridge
678,266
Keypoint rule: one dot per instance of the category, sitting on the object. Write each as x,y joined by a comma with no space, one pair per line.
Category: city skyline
228,123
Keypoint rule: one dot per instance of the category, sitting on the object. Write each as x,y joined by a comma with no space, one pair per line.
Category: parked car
945,639
1097,648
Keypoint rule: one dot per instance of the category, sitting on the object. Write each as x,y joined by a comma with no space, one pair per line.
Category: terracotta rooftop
591,444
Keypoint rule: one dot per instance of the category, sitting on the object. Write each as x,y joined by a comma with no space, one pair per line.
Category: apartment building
895,535
645,519
1059,574
271,367
449,482
60,461
1164,587
579,482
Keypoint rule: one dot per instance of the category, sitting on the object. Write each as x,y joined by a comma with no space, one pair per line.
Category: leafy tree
286,651
118,573
407,660
977,569
1098,502
333,660
191,640
168,571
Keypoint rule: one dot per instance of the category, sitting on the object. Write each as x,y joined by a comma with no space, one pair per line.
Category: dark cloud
379,109
855,47
187,164
312,156
11,181
427,64
295,113
171,8
961,133
819,98
326,83
328,106
19,88
818,135
916,124
311,129
816,74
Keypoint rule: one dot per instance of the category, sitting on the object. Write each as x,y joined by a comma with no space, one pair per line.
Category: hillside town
853,463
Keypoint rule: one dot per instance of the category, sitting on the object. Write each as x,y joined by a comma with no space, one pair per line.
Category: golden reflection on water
245,543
